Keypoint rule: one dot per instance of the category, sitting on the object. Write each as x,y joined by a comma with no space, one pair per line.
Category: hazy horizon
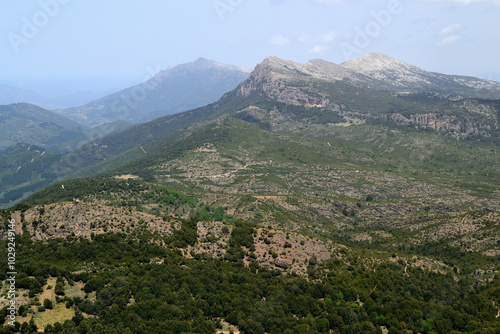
61,47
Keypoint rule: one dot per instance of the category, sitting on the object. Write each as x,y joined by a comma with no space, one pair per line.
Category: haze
60,47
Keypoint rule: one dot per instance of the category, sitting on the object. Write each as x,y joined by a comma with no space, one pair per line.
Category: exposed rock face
374,70
465,126
84,219
406,77
284,251
322,84
270,78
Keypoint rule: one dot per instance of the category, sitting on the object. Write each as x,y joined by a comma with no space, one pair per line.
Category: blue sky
101,44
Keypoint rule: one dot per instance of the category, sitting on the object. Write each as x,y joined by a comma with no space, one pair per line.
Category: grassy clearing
58,314
49,293
74,291
50,316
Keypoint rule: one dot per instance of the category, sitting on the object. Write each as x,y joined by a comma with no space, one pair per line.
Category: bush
48,304
59,289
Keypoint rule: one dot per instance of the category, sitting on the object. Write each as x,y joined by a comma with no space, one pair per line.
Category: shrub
47,303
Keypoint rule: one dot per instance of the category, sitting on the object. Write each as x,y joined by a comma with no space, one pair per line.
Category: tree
47,303
29,328
59,289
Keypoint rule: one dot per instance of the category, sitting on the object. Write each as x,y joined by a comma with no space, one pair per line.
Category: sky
59,47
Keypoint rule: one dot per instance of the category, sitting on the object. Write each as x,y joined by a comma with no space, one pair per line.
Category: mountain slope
317,86
10,94
396,202
24,168
336,138
299,202
280,95
405,77
374,71
32,140
177,89
27,123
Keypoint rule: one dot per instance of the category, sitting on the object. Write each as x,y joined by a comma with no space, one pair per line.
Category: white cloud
279,40
327,38
451,29
318,43
450,39
318,49
450,34
306,38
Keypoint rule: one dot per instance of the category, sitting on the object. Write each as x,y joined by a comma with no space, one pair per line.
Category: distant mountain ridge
12,94
24,123
374,71
180,88
315,98
317,84
405,76
27,123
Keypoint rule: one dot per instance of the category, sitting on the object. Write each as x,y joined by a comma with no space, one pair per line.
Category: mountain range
379,72
180,88
11,94
24,123
311,198
27,123
281,95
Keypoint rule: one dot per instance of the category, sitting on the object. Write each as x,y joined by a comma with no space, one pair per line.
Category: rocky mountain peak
324,69
377,71
204,63
376,62
273,60
272,77
200,64
176,89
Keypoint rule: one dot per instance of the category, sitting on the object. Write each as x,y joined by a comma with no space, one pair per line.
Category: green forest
135,294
